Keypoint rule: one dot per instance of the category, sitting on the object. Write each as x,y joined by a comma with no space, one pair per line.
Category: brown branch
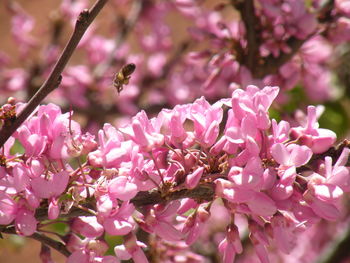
251,22
59,246
261,67
42,212
270,65
84,20
202,192
333,152
205,191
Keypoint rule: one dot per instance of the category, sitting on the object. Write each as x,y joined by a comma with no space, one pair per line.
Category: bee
123,76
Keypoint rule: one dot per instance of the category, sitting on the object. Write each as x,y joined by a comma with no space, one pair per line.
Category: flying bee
123,76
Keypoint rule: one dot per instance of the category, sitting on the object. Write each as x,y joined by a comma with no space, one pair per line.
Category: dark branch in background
338,251
84,20
59,246
127,26
261,67
272,64
251,23
37,68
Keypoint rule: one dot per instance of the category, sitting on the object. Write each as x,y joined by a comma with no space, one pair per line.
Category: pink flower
343,6
8,209
257,202
50,131
172,122
131,249
88,250
25,222
21,177
193,179
121,188
289,157
284,229
341,31
231,245
54,208
158,220
13,79
119,221
195,222
51,185
324,192
280,131
259,240
206,120
319,140
144,133
81,78
22,25
88,226
112,151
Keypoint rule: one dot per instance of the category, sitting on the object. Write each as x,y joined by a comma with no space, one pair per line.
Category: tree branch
246,9
205,191
272,64
333,152
261,67
84,20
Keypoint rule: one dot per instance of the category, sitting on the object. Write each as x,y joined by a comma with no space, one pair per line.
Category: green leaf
17,148
335,118
113,241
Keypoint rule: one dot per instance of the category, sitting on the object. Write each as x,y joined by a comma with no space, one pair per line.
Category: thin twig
84,20
127,26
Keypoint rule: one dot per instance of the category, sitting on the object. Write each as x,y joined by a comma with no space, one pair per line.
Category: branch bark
246,9
204,192
84,20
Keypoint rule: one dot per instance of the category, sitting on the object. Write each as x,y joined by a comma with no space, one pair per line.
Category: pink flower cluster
256,169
